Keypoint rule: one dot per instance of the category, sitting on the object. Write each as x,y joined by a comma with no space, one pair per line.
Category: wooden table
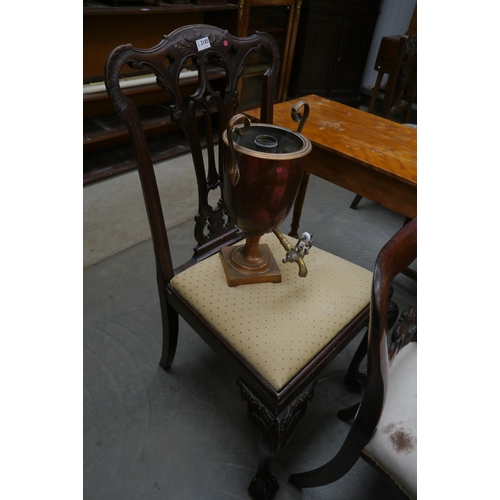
370,156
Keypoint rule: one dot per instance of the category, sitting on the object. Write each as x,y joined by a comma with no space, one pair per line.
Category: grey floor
149,434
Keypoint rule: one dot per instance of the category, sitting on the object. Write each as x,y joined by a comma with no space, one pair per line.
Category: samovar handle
233,170
300,117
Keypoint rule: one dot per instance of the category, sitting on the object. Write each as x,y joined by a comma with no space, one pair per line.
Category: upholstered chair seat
393,447
278,328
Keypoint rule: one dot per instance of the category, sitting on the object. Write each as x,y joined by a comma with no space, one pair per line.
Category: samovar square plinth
238,276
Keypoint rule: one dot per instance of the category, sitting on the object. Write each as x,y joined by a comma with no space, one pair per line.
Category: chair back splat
276,337
203,116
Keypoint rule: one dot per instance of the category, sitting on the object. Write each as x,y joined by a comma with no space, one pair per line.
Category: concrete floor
184,435
114,213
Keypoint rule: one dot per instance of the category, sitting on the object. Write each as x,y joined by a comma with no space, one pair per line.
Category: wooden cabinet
279,18
106,145
333,41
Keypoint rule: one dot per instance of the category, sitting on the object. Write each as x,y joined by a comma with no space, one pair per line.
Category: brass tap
297,252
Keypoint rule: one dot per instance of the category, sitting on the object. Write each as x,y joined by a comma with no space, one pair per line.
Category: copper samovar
261,182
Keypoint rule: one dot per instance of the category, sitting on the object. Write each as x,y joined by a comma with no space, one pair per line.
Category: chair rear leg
348,413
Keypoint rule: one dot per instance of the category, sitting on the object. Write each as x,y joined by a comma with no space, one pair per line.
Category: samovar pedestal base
239,272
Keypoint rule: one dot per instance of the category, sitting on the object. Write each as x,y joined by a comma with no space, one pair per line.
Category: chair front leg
170,329
274,432
264,485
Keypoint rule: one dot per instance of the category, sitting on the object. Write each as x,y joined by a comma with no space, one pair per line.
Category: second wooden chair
384,430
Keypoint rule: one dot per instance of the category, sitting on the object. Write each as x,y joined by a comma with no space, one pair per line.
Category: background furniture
106,142
389,55
335,38
277,337
402,83
394,19
397,57
384,430
280,19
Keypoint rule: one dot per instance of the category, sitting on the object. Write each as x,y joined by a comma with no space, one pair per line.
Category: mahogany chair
276,337
401,86
384,430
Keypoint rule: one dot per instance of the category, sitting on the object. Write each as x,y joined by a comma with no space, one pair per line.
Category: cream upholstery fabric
394,444
279,327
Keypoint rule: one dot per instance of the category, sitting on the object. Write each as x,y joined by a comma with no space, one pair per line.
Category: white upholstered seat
279,327
394,445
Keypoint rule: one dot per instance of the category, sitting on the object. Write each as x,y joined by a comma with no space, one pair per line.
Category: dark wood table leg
356,201
299,203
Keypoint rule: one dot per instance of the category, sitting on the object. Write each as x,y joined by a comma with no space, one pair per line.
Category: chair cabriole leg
170,331
274,432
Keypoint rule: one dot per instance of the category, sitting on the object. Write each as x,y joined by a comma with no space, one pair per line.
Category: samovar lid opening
270,141
266,143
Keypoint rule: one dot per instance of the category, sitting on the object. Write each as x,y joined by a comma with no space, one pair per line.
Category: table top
361,137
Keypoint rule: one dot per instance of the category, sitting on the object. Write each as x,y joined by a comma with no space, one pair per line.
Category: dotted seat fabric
278,328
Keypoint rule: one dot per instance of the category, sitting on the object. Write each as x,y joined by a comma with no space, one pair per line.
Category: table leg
356,201
299,203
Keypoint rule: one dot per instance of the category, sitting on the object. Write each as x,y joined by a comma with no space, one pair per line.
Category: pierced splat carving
392,312
404,332
216,223
213,103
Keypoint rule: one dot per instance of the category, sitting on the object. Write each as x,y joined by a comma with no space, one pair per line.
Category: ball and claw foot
263,486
